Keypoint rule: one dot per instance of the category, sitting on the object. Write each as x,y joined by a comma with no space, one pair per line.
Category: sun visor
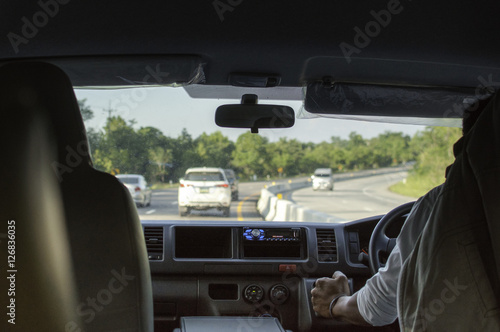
127,71
390,101
434,122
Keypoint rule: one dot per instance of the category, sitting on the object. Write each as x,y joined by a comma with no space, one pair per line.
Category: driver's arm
374,304
345,308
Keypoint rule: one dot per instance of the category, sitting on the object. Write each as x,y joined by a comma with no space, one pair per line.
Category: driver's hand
325,290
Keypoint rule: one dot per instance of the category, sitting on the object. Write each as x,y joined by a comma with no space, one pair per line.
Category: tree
433,147
85,110
147,151
214,150
358,154
250,154
285,155
184,154
160,159
391,149
120,148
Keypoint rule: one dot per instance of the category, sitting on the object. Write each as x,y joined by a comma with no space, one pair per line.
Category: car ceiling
445,43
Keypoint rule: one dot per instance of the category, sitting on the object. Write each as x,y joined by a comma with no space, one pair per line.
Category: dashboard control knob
253,293
256,233
279,294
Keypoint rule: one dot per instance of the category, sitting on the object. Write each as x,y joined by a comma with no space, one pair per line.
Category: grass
414,186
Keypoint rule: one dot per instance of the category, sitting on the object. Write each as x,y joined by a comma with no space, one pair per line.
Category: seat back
36,278
107,246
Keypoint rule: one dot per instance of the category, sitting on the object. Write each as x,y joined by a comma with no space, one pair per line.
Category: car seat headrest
46,88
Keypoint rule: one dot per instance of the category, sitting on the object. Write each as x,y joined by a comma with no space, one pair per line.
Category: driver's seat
450,282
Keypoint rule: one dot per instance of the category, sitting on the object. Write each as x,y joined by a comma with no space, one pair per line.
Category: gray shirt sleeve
377,299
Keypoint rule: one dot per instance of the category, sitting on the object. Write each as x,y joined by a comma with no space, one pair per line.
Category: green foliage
433,151
159,159
391,149
250,155
214,150
285,157
119,147
184,154
414,186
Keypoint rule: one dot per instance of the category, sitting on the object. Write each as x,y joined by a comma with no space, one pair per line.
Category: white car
138,188
204,188
322,179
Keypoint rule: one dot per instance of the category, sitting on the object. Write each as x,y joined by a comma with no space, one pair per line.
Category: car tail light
223,185
185,185
137,189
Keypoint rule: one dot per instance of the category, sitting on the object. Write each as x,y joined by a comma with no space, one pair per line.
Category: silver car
138,188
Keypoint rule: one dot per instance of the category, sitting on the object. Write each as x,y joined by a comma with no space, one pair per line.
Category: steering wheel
379,242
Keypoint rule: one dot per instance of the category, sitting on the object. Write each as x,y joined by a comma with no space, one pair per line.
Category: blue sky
171,110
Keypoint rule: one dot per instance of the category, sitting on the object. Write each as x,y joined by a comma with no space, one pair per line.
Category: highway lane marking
368,192
174,202
240,206
151,211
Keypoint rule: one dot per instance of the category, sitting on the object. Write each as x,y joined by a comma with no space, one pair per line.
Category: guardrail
272,207
268,206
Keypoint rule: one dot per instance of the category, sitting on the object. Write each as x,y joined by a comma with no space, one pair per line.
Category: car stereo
272,234
277,243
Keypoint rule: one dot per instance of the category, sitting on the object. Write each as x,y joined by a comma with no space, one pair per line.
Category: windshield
128,180
161,132
204,176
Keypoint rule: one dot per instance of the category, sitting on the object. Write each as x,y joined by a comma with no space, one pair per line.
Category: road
164,206
352,199
356,198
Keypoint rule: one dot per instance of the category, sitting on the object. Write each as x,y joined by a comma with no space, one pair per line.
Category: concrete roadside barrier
263,205
273,208
282,208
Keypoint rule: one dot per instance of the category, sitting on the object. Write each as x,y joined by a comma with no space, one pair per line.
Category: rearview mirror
251,115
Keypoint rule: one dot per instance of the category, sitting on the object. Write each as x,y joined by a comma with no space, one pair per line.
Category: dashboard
251,269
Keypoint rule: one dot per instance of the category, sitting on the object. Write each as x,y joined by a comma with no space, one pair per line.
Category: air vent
154,242
327,246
